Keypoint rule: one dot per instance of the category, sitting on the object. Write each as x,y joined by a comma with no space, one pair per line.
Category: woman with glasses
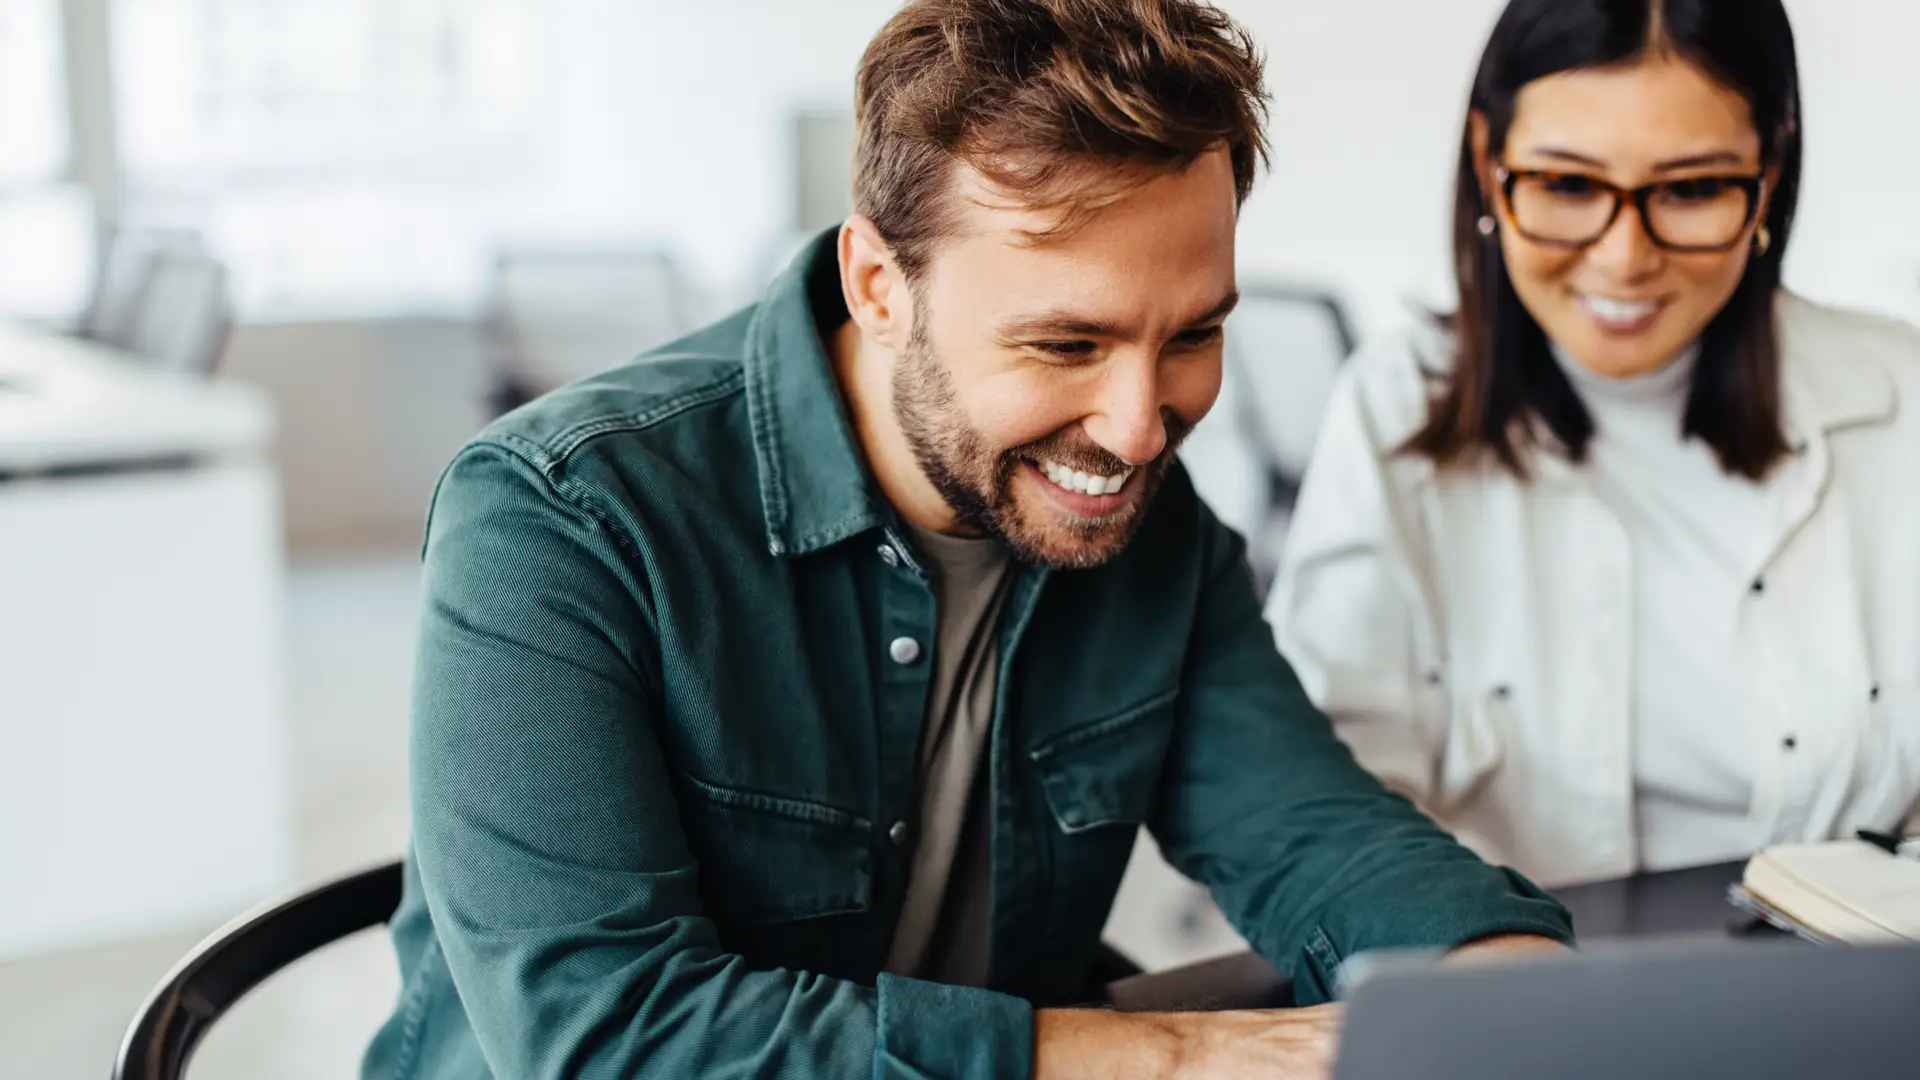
1619,568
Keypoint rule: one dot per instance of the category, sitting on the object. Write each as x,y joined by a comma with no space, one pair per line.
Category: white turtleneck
1694,532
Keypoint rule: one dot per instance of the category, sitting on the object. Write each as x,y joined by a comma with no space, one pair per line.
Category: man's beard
977,483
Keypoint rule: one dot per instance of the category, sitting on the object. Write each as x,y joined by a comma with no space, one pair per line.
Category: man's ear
875,290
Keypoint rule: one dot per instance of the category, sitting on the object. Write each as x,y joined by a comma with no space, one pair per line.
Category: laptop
1782,1010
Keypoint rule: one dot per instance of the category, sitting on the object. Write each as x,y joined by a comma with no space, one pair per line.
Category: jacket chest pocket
766,860
1101,782
1107,772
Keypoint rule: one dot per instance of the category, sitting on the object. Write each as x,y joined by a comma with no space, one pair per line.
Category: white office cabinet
145,784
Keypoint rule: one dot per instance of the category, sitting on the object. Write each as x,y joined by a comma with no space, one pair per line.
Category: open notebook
1841,890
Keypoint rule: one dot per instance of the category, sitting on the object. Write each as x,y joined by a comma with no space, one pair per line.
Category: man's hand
1277,1044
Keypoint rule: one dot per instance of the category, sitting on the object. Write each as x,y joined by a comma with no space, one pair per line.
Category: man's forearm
1282,1044
1090,1044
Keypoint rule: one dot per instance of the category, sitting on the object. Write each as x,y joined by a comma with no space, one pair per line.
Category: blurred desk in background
144,775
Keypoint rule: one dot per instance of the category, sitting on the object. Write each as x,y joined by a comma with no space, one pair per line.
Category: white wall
1367,100
1858,238
670,124
1368,97
664,122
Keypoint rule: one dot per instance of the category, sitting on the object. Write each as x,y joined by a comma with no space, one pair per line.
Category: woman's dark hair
1505,384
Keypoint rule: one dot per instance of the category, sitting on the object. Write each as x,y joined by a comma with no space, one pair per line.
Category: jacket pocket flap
770,859
1107,772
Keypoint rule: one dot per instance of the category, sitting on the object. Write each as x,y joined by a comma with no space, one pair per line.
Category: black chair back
241,955
238,957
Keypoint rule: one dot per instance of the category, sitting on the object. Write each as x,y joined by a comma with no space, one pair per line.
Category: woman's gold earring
1762,241
1487,225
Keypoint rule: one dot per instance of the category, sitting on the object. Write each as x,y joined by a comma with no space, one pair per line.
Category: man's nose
1127,420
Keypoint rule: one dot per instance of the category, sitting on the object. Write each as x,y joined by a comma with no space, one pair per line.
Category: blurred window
46,223
341,155
33,104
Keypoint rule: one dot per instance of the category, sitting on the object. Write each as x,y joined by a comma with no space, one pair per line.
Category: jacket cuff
1482,902
930,1029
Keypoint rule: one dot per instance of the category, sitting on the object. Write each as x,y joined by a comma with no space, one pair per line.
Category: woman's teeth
1074,480
1623,312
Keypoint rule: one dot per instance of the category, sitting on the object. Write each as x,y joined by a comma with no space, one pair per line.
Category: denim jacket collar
815,490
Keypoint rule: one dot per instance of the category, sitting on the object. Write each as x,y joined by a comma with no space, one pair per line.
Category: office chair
184,313
1284,348
243,954
237,958
121,283
559,314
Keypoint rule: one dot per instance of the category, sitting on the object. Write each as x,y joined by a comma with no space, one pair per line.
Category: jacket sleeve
1308,854
1351,609
556,871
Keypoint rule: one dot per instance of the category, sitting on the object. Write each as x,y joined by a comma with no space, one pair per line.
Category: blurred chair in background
184,314
1284,348
558,314
118,288
161,296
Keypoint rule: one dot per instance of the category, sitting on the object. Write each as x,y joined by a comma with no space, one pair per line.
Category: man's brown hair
1059,103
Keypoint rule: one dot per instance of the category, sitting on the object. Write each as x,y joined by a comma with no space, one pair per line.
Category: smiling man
788,701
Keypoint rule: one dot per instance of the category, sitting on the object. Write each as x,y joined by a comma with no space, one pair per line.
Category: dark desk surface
1655,905
1677,902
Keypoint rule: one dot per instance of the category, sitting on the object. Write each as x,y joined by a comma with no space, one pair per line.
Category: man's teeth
1074,480
1619,311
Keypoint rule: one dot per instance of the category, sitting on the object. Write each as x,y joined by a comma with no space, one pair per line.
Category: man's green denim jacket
661,745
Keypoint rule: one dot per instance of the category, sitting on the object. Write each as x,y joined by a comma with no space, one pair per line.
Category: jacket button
888,555
1759,586
898,833
904,650
1874,694
1789,742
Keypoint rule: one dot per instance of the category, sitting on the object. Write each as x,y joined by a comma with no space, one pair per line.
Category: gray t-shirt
943,930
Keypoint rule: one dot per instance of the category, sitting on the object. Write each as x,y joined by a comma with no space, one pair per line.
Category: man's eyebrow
1060,322
1220,310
